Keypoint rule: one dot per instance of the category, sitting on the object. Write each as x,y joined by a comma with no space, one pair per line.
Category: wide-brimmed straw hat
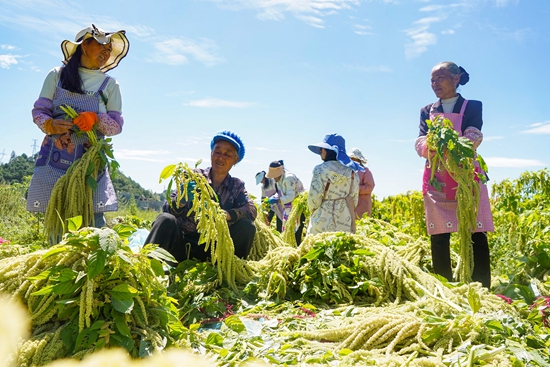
276,169
356,153
337,144
119,43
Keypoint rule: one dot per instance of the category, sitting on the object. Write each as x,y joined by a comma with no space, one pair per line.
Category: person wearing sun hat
268,189
334,189
82,84
176,230
288,187
366,184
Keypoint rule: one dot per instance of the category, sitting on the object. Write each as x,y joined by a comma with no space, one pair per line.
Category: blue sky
283,73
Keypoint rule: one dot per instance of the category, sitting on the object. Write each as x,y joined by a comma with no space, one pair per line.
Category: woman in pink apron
82,84
440,205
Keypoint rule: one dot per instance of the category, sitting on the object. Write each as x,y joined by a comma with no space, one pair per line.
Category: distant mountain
19,167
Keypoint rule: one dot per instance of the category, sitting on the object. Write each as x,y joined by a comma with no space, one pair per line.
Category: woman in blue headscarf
334,189
176,231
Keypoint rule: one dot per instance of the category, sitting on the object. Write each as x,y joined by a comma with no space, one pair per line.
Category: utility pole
34,146
2,155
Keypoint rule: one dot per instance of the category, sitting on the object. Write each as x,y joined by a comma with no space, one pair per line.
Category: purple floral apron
440,206
59,151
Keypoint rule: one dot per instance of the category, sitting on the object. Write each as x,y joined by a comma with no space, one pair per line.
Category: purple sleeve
110,123
42,112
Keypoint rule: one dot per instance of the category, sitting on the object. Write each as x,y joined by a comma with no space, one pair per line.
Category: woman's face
223,157
323,153
444,84
94,54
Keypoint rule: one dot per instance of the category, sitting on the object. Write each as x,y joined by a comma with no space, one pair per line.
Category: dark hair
276,164
282,162
70,77
330,156
454,69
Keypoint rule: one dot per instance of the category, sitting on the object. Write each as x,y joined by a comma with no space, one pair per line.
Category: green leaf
363,251
124,342
474,300
214,339
123,305
432,334
55,250
47,290
313,253
90,181
234,323
124,230
161,254
65,288
167,172
157,267
123,291
145,348
121,324
74,223
96,263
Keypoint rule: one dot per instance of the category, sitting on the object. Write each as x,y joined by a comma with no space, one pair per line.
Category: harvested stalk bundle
72,193
90,292
299,207
456,155
211,219
265,240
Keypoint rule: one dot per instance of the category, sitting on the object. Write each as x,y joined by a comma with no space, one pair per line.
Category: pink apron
440,206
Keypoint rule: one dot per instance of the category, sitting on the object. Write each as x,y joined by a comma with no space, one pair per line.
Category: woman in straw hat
80,83
366,184
334,189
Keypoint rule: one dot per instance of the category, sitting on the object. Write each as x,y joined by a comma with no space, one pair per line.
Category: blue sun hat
337,144
232,138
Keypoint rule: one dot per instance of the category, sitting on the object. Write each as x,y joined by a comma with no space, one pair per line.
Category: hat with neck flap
337,144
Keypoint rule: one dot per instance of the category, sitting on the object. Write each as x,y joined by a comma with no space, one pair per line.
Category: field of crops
338,299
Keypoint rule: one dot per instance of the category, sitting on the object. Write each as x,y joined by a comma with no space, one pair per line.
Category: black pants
279,221
441,257
300,229
167,234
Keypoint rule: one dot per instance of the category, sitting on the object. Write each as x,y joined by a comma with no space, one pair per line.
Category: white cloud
540,128
217,103
448,31
7,47
176,51
310,12
362,30
420,36
503,162
421,39
8,60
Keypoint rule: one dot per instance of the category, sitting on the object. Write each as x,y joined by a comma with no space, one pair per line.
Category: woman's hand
57,126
